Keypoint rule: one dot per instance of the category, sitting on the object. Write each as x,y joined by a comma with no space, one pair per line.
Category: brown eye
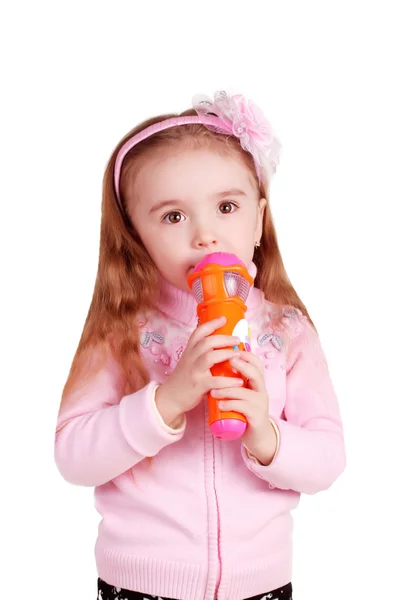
172,217
227,205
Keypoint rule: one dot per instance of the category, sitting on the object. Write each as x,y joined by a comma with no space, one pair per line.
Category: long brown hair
127,278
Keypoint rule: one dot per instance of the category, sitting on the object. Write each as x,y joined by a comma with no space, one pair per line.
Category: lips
199,259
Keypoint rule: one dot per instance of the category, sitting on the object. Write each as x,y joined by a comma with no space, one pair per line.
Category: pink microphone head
224,259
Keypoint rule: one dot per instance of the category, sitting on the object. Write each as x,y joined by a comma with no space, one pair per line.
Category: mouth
199,259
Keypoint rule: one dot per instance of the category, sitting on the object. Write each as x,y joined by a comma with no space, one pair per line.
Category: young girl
186,515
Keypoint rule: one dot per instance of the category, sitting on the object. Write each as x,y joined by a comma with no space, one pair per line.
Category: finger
240,406
252,359
249,371
206,361
206,329
232,393
212,342
219,382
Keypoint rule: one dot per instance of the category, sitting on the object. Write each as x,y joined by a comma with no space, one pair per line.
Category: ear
262,203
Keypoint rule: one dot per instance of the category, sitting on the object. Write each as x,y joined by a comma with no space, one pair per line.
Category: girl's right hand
192,378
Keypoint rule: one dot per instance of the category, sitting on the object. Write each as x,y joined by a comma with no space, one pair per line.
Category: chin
182,283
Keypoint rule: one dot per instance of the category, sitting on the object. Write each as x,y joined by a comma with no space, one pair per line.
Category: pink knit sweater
201,520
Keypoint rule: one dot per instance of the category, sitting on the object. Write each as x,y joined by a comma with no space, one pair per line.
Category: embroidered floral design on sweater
153,339
289,322
147,337
276,340
278,328
293,317
176,347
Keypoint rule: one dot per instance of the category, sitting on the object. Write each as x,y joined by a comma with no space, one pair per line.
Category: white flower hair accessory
247,122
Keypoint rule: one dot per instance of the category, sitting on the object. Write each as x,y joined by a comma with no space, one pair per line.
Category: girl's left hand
253,402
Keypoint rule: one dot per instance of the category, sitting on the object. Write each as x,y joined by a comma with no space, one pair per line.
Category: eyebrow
231,192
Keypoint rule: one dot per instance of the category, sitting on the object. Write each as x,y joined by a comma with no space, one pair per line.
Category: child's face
196,221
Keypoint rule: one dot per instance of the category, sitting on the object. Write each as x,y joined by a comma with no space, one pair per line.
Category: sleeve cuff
278,441
308,461
171,430
143,428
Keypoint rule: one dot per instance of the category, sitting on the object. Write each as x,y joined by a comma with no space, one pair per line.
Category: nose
203,237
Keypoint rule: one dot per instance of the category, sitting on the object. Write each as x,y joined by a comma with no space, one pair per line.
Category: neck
182,306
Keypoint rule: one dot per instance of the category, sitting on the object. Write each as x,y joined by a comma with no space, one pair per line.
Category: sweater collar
182,306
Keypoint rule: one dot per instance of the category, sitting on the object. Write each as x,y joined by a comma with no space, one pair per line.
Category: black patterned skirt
110,592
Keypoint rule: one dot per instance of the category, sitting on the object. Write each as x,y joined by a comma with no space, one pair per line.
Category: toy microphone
220,283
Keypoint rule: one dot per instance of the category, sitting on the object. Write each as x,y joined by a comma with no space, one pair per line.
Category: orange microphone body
221,283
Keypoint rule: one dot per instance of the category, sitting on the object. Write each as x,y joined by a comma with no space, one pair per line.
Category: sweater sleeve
100,435
311,453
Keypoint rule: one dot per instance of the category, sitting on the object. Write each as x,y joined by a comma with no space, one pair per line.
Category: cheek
163,246
151,240
247,223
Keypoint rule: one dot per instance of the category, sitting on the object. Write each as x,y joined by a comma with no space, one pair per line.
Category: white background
76,76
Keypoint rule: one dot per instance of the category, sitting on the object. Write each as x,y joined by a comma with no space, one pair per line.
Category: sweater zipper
218,582
216,505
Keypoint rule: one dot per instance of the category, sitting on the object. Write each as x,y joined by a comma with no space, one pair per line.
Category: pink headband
234,116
